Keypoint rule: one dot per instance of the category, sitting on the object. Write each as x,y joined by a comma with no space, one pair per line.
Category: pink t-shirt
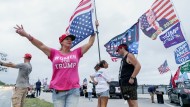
65,69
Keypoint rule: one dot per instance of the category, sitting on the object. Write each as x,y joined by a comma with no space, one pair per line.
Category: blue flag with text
173,36
182,53
129,37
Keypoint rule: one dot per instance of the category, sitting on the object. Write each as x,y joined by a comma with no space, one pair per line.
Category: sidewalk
47,96
148,96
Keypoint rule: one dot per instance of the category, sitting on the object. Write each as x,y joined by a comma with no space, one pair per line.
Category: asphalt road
5,97
143,100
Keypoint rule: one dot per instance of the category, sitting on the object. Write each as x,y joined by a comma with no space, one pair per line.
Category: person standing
102,84
152,90
129,69
89,90
38,88
65,77
22,82
96,68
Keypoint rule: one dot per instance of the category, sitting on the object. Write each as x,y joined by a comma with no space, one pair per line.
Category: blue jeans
90,95
68,98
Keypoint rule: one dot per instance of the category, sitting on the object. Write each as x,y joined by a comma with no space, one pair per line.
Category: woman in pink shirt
65,78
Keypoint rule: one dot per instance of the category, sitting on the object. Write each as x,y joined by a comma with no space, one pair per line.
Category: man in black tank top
129,69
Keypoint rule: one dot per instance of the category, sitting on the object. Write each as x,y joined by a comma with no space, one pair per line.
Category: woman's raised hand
20,30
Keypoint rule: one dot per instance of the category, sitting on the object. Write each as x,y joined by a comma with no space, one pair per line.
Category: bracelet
30,38
132,78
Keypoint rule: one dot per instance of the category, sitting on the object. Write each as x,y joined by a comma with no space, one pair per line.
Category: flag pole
97,32
170,72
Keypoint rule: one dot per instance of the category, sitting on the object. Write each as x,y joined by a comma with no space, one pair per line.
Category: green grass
35,102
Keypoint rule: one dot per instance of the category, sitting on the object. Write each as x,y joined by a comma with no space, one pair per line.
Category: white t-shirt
89,87
102,78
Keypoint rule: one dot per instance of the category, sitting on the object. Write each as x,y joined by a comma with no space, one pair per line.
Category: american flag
81,22
170,84
164,16
164,67
114,59
164,9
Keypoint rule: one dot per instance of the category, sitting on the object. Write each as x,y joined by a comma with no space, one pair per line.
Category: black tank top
126,70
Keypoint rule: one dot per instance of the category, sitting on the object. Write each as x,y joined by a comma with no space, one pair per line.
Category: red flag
176,76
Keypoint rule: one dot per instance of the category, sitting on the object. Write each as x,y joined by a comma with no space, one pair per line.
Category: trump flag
129,37
81,23
158,18
173,36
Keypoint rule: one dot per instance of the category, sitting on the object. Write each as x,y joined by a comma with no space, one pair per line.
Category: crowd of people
65,79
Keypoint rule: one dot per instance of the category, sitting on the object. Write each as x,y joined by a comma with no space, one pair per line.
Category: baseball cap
120,46
62,37
28,56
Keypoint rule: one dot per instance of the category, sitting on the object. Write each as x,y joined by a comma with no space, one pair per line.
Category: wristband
132,78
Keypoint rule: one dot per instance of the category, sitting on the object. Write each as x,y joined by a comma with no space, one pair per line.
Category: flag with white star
81,22
158,18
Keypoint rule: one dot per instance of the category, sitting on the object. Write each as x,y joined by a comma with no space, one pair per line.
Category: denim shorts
103,94
67,98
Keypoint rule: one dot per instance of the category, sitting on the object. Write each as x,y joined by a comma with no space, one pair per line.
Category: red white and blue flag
81,23
129,37
158,18
164,67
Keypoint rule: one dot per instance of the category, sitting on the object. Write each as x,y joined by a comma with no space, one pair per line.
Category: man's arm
131,58
10,64
135,63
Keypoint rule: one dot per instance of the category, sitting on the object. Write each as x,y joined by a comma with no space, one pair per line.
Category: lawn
35,102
